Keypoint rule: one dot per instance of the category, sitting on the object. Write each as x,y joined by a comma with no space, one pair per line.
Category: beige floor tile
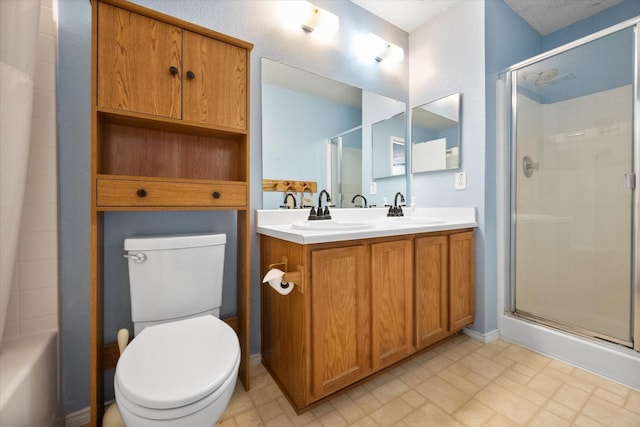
544,384
562,411
609,414
391,413
473,413
506,403
526,357
633,402
280,421
390,390
482,365
521,390
499,420
548,419
610,397
571,397
229,422
584,421
332,419
365,422
457,381
367,403
443,394
347,408
430,415
413,398
602,383
265,394
248,418
322,409
560,366
270,410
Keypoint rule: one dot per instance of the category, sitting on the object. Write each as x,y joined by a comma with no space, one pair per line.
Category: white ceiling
546,16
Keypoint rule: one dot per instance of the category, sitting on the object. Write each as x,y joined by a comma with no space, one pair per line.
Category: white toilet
182,365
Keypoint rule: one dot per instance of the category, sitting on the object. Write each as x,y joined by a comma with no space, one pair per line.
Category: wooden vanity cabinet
358,309
444,286
169,131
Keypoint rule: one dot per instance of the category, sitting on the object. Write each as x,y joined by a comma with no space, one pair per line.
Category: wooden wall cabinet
169,131
165,70
363,306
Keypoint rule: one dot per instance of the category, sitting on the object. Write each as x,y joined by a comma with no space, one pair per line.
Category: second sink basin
331,225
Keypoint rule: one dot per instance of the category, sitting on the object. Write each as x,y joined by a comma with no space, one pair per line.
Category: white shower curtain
18,50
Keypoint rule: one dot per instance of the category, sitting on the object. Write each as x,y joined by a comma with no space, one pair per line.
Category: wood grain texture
461,280
217,93
122,192
431,290
391,302
284,185
285,324
340,328
134,56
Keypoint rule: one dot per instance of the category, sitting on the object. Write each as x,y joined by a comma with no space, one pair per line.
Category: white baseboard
83,416
484,337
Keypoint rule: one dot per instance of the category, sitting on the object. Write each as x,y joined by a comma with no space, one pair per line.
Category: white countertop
277,223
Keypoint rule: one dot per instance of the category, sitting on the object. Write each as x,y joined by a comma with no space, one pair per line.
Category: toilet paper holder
295,277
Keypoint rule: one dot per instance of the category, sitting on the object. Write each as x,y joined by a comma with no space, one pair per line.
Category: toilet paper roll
275,278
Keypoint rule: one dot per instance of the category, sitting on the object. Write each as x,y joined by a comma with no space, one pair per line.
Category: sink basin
414,220
331,225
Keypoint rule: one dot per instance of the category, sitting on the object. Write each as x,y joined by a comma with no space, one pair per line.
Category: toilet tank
174,277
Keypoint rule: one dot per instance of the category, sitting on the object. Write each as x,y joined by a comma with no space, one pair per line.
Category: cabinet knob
191,75
216,195
141,192
173,70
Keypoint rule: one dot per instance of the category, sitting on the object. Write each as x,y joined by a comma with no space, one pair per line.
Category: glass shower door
572,181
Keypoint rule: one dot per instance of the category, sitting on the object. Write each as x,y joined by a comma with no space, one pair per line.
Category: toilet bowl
180,373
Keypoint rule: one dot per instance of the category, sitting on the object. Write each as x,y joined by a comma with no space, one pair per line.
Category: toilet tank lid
175,241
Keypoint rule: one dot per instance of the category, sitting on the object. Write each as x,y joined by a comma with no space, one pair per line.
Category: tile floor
460,383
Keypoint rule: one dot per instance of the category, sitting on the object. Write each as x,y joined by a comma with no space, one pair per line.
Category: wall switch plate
461,181
373,188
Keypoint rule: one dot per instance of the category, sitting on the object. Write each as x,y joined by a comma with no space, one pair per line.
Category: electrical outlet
373,188
461,181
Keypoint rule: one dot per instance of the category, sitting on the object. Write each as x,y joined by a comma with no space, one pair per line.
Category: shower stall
570,197
345,167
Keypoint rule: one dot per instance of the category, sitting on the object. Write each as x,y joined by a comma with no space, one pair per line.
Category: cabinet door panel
461,280
339,318
431,290
135,54
217,92
392,302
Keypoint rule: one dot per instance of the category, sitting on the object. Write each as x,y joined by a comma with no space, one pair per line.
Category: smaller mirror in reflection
388,150
435,130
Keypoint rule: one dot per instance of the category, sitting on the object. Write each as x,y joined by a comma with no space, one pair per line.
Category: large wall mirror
435,134
317,129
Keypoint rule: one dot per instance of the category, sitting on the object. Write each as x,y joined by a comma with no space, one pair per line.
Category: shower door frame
510,175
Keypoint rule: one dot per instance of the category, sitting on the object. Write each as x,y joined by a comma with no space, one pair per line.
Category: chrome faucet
396,210
286,197
363,198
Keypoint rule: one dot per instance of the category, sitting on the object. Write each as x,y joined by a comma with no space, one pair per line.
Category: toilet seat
174,369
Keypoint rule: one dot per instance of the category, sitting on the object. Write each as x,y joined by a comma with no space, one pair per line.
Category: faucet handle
312,214
326,214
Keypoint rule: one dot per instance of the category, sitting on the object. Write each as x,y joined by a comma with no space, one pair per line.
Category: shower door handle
630,180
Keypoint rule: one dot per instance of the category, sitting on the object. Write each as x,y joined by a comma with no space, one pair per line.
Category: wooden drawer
149,193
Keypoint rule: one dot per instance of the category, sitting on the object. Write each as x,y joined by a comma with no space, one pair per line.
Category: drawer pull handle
173,70
216,195
191,75
141,192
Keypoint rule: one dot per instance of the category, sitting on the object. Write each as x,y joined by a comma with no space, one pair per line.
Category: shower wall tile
34,300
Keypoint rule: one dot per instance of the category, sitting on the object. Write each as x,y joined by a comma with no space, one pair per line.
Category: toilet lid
177,363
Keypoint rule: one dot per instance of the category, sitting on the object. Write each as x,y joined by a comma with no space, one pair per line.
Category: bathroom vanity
371,291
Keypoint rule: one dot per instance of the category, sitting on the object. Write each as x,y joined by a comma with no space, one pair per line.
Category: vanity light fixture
315,20
381,50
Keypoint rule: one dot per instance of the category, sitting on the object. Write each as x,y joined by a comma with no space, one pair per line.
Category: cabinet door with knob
214,90
143,57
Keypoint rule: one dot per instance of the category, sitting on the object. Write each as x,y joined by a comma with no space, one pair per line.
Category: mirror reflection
435,132
387,140
316,129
